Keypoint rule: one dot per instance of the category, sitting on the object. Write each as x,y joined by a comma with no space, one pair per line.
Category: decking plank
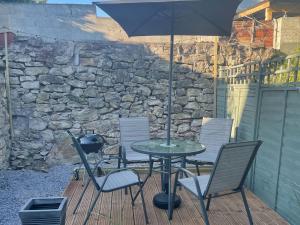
84,205
187,211
95,213
228,210
70,190
105,209
127,210
70,216
149,191
161,214
116,208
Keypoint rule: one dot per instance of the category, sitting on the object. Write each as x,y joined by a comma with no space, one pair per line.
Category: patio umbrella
172,17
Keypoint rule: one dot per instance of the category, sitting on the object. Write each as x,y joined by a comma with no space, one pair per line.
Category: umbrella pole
170,89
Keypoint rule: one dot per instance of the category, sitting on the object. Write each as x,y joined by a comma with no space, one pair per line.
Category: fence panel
264,101
246,112
267,160
288,197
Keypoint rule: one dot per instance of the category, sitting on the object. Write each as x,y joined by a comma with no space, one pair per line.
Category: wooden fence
263,98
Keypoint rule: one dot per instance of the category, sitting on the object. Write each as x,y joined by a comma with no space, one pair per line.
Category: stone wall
82,84
58,86
4,123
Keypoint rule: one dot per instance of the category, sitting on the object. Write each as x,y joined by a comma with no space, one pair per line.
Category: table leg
169,185
163,200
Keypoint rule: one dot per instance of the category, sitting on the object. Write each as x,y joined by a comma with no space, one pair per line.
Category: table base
160,200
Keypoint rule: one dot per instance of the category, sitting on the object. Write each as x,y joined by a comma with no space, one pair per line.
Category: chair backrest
132,130
80,152
214,133
232,165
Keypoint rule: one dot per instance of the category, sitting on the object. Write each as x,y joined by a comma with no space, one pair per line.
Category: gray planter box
41,211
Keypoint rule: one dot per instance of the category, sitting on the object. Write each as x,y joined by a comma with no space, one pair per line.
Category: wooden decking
115,209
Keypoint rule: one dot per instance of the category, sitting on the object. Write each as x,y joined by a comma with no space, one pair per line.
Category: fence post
261,75
281,147
216,45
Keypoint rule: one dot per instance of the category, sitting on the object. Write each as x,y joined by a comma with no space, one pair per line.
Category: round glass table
177,149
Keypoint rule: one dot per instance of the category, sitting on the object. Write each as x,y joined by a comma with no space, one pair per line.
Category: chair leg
150,167
119,163
91,208
143,202
81,196
161,174
169,167
119,157
208,202
132,199
125,166
203,209
173,197
246,206
183,165
198,170
144,182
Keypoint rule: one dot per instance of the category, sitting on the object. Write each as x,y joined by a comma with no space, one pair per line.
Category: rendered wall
287,34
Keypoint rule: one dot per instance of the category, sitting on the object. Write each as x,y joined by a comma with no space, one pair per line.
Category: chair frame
204,195
122,158
122,152
199,163
101,189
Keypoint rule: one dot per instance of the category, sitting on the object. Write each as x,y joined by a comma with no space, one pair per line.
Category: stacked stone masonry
4,122
59,86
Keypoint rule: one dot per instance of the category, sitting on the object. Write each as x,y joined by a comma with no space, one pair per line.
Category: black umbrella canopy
180,17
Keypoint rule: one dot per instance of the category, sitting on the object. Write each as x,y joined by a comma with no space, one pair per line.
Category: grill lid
92,142
90,139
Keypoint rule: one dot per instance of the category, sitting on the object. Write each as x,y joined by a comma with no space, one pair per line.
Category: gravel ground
17,186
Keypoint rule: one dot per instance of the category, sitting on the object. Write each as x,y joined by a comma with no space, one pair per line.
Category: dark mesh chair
115,180
228,176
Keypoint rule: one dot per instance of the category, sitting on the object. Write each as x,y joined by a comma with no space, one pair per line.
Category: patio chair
112,181
228,176
131,130
213,134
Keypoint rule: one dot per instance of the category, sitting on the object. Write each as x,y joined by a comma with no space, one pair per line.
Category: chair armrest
111,147
116,171
193,176
180,169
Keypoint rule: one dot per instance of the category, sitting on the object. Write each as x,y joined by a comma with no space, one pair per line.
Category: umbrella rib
144,22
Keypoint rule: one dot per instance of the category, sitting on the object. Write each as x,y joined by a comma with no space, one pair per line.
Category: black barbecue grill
92,143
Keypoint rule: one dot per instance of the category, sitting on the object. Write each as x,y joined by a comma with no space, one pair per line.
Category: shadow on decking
115,208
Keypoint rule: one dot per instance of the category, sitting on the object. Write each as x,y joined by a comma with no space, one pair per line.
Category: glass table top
177,147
